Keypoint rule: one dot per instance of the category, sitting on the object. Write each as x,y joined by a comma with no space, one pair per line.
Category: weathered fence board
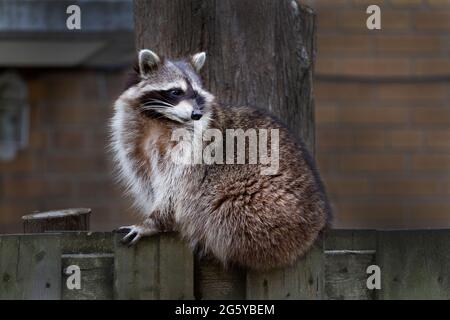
97,273
303,280
30,267
213,282
156,268
348,253
414,264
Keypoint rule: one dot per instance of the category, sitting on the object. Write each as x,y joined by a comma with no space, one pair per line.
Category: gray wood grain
30,267
97,273
348,253
158,267
87,242
214,282
10,287
414,264
136,269
303,280
176,268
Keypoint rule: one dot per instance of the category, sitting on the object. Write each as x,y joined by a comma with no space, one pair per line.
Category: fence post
57,220
260,53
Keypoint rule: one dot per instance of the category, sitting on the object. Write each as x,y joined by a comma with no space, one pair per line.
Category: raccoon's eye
176,92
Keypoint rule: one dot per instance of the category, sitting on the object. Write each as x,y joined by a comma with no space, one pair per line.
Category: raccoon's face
170,89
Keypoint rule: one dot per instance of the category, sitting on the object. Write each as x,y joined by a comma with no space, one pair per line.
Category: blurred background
382,110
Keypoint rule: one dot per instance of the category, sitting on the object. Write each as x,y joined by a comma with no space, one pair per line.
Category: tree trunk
259,53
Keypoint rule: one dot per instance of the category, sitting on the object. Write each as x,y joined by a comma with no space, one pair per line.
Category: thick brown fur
231,211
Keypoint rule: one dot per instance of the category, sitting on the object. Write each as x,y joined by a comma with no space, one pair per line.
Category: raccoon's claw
134,234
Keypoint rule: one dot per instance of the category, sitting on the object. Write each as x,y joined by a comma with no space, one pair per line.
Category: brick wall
383,112
66,163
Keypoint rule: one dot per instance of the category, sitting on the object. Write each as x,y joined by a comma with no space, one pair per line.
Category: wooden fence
414,264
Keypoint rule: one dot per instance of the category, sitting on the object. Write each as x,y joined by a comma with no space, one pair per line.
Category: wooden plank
40,266
87,242
213,282
303,280
31,267
10,287
348,253
176,268
341,239
136,269
93,252
414,264
97,273
345,275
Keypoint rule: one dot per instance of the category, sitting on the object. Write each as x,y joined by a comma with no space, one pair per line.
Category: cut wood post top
73,219
54,214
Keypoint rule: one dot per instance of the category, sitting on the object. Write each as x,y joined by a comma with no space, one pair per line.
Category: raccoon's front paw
134,233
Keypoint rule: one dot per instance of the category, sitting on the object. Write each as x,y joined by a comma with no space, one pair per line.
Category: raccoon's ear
148,61
198,60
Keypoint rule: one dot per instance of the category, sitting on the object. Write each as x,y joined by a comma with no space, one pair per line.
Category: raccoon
230,210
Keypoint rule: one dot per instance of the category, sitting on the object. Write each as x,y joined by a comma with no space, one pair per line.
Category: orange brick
37,140
446,188
438,139
407,3
433,20
428,215
396,21
11,214
82,114
438,3
432,67
405,186
326,20
369,115
408,44
330,45
431,162
371,215
347,186
369,138
326,66
345,91
365,3
74,165
325,114
33,187
36,90
22,163
374,67
405,138
98,188
333,138
71,139
431,115
372,162
414,92
327,162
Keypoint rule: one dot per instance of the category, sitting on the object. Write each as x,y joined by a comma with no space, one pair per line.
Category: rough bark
260,53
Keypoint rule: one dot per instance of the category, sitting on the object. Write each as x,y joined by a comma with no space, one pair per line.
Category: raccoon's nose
196,115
